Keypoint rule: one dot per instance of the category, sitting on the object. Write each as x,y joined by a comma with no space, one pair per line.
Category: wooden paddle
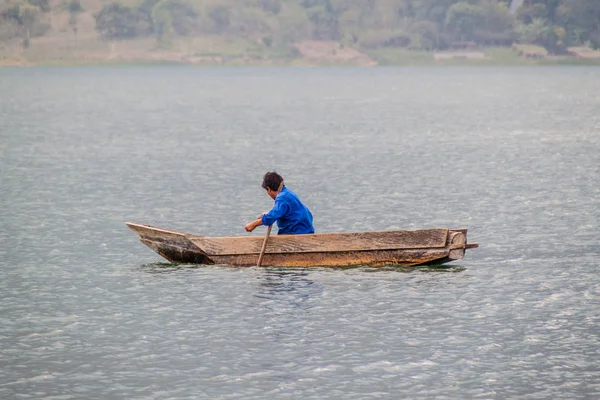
264,246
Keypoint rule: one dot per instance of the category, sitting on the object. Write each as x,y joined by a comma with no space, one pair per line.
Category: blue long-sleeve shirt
291,215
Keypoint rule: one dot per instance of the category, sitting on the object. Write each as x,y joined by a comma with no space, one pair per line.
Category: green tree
293,26
11,14
582,21
432,10
251,22
349,25
560,23
24,20
498,27
43,5
392,13
220,15
162,25
324,22
29,16
116,21
462,19
272,6
536,9
177,16
425,35
537,32
74,8
145,24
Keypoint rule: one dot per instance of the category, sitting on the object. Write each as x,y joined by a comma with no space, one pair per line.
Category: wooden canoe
403,248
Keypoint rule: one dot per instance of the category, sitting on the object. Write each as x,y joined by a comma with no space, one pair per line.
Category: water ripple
87,311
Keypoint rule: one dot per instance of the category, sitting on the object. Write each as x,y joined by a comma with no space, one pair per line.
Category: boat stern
457,242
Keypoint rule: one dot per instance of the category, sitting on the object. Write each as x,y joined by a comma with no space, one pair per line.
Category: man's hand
250,226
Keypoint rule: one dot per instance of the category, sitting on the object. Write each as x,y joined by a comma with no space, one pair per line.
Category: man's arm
278,210
250,226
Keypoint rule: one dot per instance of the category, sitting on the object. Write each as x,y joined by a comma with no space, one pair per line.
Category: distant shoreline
311,54
148,63
297,33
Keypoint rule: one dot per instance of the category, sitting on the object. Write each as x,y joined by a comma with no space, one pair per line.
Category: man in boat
291,215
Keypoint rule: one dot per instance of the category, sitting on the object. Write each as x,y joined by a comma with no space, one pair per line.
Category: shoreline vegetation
299,33
484,57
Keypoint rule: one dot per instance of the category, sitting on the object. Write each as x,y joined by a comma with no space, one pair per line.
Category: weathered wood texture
406,248
178,252
457,252
173,246
405,258
324,242
153,233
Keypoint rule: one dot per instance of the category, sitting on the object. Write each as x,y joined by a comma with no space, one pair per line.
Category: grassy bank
493,56
66,49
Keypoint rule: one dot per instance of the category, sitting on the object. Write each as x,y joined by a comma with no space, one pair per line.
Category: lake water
88,312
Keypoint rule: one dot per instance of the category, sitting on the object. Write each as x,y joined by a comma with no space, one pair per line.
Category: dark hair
272,180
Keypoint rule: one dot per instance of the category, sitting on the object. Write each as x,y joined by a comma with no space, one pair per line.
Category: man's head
271,183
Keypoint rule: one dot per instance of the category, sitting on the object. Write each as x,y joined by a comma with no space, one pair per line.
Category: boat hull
402,248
